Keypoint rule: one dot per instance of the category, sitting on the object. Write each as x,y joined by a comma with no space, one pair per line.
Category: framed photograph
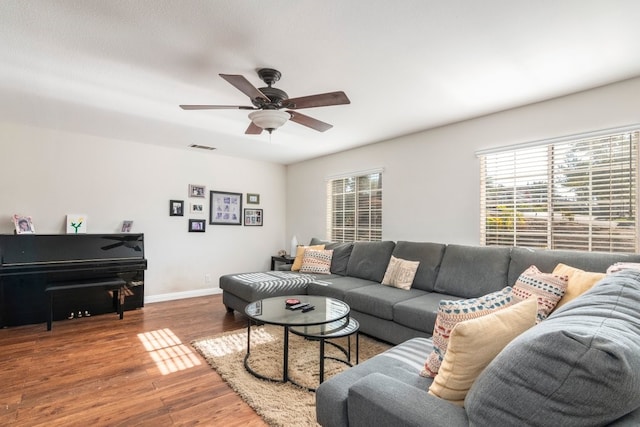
197,208
196,225
76,223
176,207
126,226
253,217
196,190
23,224
253,199
225,208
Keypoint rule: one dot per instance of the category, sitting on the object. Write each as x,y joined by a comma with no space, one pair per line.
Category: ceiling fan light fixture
269,120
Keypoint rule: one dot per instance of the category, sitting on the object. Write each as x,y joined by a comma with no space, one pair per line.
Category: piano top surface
48,249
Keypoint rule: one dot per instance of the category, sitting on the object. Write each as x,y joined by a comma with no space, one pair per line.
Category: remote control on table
298,306
308,308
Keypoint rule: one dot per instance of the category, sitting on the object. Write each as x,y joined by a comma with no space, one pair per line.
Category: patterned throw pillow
547,287
452,312
316,261
400,273
297,262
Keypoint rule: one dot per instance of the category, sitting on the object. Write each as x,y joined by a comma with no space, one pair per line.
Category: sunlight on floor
166,349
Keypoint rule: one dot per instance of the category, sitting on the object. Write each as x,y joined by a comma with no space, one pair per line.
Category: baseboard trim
181,295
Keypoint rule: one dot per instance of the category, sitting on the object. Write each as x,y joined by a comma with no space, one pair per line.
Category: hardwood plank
102,371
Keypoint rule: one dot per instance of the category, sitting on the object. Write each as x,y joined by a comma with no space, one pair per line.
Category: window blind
354,208
578,194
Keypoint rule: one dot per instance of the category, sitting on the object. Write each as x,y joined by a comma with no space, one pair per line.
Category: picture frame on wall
196,190
197,208
253,199
197,225
225,208
176,207
253,217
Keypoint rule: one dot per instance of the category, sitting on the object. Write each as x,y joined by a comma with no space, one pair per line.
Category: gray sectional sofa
388,390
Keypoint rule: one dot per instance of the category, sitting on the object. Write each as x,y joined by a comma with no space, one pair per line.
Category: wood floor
102,371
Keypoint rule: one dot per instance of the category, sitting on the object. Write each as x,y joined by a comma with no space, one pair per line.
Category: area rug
277,403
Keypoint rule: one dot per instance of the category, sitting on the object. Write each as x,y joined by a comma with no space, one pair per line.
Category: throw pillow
400,273
547,287
580,281
316,261
451,313
297,263
619,266
473,345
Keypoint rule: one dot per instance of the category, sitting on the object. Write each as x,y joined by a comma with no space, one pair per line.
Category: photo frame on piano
23,224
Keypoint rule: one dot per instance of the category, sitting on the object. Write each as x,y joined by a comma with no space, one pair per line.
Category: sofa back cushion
428,254
547,260
581,366
472,271
369,260
341,255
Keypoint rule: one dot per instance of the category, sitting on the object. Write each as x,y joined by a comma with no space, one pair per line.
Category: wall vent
202,147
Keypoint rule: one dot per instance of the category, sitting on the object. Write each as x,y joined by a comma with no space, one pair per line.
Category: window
354,208
572,193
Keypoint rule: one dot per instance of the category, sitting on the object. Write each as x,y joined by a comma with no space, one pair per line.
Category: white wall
47,174
431,179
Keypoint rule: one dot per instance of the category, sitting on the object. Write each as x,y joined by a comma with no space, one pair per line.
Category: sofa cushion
337,286
340,259
547,287
546,260
378,300
316,261
472,271
403,360
579,367
400,273
369,260
419,313
474,343
451,313
580,281
428,254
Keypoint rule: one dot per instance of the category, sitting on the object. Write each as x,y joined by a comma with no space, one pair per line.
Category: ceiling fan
269,101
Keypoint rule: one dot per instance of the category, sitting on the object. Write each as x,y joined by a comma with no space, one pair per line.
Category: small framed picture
196,190
176,207
197,208
196,225
253,217
126,226
253,199
225,208
23,224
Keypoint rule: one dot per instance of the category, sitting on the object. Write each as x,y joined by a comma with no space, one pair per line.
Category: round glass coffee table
274,311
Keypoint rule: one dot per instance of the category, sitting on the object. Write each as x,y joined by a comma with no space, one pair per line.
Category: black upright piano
29,263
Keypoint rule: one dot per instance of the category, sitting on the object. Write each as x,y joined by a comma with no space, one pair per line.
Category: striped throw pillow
547,287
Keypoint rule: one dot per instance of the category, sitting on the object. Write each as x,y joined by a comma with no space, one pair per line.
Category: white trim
181,295
574,137
355,173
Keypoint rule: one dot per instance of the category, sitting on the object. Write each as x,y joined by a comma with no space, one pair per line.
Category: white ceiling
120,68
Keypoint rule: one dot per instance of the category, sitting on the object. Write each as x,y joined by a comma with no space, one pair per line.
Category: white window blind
354,208
576,194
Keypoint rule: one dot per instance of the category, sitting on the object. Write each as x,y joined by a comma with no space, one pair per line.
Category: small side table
285,259
337,329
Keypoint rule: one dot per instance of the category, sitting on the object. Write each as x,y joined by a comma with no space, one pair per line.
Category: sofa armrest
381,400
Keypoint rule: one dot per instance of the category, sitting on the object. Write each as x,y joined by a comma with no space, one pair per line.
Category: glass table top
274,311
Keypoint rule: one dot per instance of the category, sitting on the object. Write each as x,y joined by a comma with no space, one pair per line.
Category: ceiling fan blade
310,122
321,100
253,129
216,107
244,86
